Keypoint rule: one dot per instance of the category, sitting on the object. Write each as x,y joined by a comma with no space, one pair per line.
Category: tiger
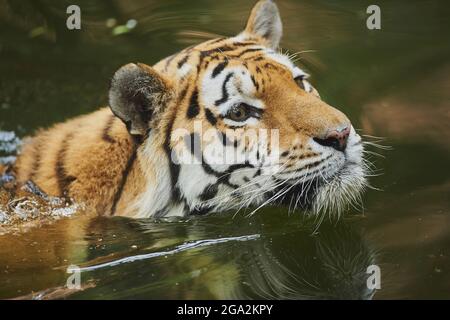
146,155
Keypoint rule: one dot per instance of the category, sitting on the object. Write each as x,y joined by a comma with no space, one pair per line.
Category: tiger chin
147,155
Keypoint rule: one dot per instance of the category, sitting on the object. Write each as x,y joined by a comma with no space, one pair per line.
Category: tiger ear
137,93
265,22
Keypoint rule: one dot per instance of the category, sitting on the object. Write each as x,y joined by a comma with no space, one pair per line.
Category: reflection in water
289,263
178,249
331,264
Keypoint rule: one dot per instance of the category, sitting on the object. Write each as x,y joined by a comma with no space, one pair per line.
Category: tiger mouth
301,195
313,194
322,192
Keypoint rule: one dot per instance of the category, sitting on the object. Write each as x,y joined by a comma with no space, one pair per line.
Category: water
392,83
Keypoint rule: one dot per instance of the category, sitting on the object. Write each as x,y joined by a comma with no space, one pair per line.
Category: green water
393,82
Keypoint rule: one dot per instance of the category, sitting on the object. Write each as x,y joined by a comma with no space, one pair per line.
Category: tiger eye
239,113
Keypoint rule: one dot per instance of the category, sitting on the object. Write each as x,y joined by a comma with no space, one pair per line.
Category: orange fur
76,154
95,160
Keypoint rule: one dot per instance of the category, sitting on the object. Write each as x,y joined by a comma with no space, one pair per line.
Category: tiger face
239,125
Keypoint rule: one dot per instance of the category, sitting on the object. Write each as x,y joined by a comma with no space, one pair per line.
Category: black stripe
257,173
224,90
225,140
210,117
316,163
193,143
183,61
259,58
161,212
37,149
213,41
309,166
251,110
169,60
206,65
173,166
243,44
61,175
182,94
216,50
219,68
247,51
269,65
193,109
105,135
204,54
255,83
123,181
209,192
224,176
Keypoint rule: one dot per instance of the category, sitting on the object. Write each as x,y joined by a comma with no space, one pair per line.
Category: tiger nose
336,139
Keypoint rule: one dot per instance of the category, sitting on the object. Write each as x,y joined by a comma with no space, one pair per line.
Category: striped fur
119,161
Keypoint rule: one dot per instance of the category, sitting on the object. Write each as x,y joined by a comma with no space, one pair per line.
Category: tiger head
232,122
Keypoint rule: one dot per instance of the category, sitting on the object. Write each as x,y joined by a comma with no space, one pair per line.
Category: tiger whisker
248,184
